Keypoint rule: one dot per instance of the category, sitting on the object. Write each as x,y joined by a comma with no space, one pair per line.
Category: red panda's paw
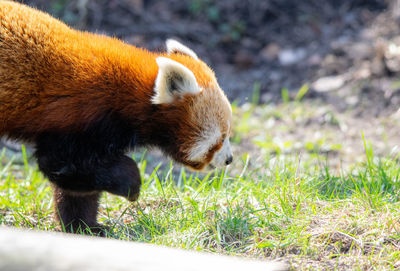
135,180
122,178
133,196
77,212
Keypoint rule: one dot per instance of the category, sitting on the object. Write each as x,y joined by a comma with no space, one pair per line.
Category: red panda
84,99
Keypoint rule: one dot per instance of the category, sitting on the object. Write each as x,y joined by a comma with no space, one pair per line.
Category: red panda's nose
229,160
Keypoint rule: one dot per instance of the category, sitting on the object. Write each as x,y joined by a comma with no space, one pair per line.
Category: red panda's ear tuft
173,81
174,46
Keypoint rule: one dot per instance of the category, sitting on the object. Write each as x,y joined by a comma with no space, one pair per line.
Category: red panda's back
27,47
28,38
53,77
48,71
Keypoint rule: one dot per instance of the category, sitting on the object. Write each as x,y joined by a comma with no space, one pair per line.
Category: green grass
285,207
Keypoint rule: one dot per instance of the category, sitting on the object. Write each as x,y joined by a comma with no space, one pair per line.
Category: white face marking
209,138
222,155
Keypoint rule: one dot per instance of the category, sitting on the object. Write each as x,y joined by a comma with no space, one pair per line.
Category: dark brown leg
75,211
120,178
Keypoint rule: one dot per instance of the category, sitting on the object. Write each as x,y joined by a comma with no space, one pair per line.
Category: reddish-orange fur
54,78
44,60
83,99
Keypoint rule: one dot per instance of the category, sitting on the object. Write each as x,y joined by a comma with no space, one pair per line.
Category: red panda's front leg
121,177
76,212
80,169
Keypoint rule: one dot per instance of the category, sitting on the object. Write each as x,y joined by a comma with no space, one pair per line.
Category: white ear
173,80
174,46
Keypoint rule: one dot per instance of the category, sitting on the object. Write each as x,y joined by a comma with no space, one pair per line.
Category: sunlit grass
288,208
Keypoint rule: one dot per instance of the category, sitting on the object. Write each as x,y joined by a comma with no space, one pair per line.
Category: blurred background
321,71
274,43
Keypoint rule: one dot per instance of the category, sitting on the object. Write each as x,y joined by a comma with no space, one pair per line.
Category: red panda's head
187,90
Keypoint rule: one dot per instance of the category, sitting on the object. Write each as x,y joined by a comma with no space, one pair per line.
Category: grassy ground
279,200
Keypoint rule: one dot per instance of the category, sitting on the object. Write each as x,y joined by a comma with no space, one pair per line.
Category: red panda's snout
210,149
207,152
223,157
188,86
